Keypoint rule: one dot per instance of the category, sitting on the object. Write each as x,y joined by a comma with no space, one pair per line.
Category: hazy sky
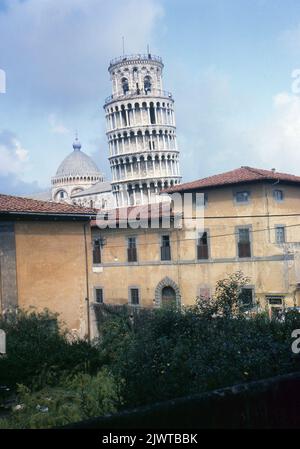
227,62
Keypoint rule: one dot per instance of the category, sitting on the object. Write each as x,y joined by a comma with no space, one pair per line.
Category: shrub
171,353
40,351
73,399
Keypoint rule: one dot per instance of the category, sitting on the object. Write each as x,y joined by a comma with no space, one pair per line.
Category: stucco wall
51,269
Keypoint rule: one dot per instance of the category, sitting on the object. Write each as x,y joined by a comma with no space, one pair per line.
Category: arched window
152,114
147,84
125,85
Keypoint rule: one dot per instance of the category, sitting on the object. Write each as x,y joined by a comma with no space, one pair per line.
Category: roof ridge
254,170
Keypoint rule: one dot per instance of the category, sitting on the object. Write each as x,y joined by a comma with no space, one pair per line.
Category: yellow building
45,259
251,223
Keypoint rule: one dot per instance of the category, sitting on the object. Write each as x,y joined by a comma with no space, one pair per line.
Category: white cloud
291,39
13,156
57,53
57,127
278,140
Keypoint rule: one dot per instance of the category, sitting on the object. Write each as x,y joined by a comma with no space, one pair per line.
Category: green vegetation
141,357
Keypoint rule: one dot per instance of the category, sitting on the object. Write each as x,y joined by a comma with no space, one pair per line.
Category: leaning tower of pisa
141,130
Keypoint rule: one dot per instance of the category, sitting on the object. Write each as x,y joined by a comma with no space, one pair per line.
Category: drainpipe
87,299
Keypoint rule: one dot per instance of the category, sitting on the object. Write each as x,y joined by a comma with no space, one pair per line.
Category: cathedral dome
77,164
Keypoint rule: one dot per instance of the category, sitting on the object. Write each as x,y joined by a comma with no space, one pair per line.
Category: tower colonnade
141,131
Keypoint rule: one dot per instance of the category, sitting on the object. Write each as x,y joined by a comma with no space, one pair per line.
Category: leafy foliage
74,399
38,352
141,357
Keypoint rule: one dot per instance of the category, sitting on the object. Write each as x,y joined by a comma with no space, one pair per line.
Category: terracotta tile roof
16,205
237,176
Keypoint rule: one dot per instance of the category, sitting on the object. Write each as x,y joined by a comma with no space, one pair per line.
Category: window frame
204,287
128,248
274,195
249,227
161,247
246,307
279,226
208,246
236,192
98,287
94,240
274,296
130,288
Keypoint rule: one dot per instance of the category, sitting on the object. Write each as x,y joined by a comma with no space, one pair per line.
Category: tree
227,300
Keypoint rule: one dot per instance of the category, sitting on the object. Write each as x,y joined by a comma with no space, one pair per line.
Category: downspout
265,187
87,298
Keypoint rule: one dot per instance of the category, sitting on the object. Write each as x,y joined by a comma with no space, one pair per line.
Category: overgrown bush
40,351
74,399
173,352
142,356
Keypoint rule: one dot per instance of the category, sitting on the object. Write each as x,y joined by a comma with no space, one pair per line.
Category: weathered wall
8,277
51,269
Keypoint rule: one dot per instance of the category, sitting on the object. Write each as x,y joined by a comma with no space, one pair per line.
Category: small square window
278,195
275,300
242,197
204,293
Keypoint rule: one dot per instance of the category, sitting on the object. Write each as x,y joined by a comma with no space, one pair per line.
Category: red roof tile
237,176
17,205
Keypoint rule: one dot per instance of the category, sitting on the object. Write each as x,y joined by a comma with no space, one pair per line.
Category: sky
230,64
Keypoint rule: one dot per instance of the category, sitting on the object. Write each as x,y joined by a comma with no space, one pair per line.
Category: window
246,297
202,246
244,247
147,84
152,114
125,85
278,195
134,296
242,197
165,249
205,199
199,200
274,300
99,295
131,250
280,234
96,251
204,293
